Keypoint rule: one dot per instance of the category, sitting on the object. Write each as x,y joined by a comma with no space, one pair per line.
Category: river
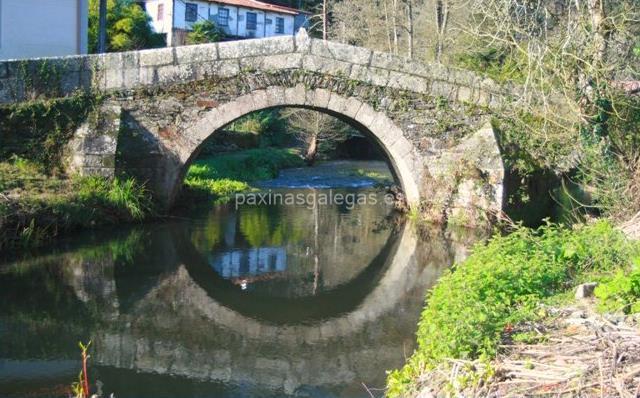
314,297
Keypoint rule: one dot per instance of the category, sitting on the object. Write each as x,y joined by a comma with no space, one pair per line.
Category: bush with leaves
204,31
128,27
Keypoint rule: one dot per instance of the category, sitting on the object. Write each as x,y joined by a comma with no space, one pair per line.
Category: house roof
259,5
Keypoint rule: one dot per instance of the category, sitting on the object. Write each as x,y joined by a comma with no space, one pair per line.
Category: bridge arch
376,124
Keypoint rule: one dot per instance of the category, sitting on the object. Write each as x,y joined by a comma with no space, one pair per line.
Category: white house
238,18
42,28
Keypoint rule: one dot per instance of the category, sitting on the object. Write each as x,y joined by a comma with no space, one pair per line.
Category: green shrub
622,293
204,31
125,195
500,284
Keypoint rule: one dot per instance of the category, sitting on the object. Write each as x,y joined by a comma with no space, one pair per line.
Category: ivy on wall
40,130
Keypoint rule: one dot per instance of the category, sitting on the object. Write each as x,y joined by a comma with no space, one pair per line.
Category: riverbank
35,207
220,177
506,292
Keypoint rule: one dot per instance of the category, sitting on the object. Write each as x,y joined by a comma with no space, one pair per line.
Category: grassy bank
222,176
474,307
35,207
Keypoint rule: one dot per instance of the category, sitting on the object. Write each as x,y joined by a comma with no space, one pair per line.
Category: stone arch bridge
161,105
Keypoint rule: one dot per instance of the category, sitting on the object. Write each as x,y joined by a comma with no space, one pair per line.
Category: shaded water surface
258,301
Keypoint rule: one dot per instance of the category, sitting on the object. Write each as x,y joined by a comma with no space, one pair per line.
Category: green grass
503,283
35,207
222,176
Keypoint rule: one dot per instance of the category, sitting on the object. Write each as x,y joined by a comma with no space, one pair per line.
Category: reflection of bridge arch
334,351
339,299
388,288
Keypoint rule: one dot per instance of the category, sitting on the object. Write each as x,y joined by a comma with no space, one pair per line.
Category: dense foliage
128,27
204,31
503,282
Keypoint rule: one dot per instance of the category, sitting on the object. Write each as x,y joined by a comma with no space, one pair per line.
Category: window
160,12
252,21
223,17
191,12
279,25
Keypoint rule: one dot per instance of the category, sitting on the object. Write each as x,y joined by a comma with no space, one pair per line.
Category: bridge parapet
22,80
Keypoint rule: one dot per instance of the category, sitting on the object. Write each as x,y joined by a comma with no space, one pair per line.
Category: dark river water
263,300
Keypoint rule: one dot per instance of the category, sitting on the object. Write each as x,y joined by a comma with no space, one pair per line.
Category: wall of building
165,24
236,26
42,28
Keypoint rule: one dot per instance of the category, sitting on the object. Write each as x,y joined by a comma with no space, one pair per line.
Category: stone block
196,54
321,98
401,146
444,89
282,61
130,60
114,78
227,68
337,103
387,61
366,115
131,77
375,76
157,57
99,161
112,61
256,47
417,68
352,107
175,73
585,290
245,104
341,52
465,94
326,66
261,99
275,96
407,82
147,75
296,95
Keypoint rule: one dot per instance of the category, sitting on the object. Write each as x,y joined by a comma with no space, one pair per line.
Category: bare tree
409,28
442,19
316,130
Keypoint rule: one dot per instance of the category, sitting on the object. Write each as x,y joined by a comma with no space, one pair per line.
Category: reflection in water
259,301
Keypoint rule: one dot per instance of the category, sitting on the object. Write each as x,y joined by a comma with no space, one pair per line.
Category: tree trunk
410,28
394,21
442,16
325,22
102,27
388,28
312,151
